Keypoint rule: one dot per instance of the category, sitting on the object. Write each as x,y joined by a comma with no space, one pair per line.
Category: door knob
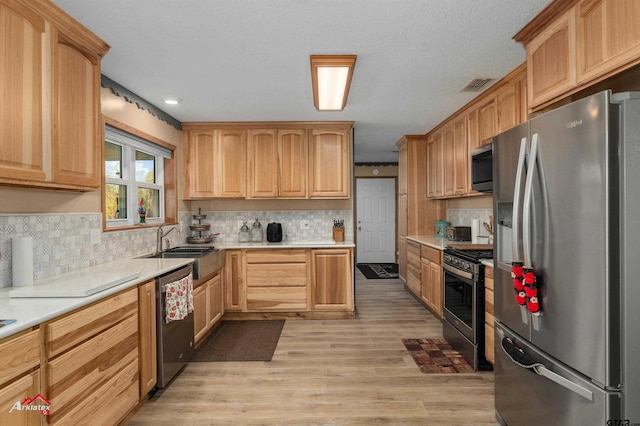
359,228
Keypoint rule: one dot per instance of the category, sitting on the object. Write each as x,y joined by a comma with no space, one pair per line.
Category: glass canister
256,231
243,235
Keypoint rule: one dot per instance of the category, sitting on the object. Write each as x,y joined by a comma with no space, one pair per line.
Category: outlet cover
96,234
304,224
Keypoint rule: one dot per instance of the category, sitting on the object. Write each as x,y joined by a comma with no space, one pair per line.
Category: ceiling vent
476,85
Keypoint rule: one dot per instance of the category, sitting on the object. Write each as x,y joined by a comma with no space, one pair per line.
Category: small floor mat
242,340
436,356
378,271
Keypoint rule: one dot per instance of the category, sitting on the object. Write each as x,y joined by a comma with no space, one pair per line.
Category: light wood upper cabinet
21,152
435,167
608,36
460,156
550,60
277,164
508,106
402,168
51,136
487,120
262,175
330,163
77,133
214,163
448,158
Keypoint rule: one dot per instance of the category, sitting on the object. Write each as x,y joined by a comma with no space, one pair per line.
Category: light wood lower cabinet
19,377
235,299
276,280
92,361
147,336
332,275
431,284
208,306
289,280
413,267
402,258
489,350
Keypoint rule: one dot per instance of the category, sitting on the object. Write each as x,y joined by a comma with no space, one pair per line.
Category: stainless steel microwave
482,168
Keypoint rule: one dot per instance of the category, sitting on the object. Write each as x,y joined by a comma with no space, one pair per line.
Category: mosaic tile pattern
62,242
463,217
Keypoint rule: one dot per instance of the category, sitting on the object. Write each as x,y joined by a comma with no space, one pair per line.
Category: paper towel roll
22,261
475,230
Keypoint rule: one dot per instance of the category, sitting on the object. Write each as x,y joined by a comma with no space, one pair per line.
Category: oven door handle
458,272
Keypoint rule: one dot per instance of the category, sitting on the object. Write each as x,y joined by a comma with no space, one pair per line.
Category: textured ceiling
248,60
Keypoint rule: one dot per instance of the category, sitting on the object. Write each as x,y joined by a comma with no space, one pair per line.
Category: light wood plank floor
339,372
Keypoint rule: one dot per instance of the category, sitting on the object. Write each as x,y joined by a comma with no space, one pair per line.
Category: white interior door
376,220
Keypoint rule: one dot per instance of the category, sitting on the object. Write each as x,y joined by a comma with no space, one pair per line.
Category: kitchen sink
207,260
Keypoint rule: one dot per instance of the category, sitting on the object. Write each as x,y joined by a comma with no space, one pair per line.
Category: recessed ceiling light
171,100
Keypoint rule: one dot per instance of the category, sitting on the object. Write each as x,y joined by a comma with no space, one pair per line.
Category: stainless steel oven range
463,324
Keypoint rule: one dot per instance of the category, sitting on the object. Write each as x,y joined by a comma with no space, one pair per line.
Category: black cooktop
470,255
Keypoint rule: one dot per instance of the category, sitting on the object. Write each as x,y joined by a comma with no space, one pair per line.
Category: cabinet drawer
72,329
110,403
18,355
78,372
276,256
276,298
279,274
431,254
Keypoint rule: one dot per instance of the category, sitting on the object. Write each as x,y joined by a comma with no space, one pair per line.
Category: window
134,179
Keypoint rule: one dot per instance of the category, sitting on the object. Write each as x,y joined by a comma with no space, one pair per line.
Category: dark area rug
241,341
436,356
379,271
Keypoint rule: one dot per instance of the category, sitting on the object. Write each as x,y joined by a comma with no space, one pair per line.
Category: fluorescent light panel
331,79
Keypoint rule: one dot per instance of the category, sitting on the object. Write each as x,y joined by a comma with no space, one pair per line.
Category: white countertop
32,311
282,245
487,262
429,240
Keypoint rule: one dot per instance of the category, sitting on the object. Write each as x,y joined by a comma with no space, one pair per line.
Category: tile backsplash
463,217
62,242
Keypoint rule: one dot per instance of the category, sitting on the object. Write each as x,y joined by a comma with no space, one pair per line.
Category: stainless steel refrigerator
567,205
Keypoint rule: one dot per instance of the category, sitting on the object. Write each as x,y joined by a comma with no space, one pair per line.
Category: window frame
164,166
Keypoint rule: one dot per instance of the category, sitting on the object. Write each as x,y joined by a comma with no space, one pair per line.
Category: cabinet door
235,299
607,36
413,267
216,302
21,153
200,312
199,153
460,156
435,286
435,173
402,215
25,387
508,104
293,157
402,167
230,163
332,282
330,161
551,68
77,128
449,160
147,334
487,120
262,173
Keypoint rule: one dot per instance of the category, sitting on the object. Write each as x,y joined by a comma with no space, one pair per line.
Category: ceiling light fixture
171,101
331,80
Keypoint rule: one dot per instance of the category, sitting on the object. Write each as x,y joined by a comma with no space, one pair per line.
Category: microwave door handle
526,207
516,199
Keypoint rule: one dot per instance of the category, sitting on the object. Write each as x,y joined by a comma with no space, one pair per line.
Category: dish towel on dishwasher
178,299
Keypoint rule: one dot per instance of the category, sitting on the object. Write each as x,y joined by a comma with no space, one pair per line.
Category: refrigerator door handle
519,358
526,204
516,199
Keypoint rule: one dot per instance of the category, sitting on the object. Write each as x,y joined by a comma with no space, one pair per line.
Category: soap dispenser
256,231
243,235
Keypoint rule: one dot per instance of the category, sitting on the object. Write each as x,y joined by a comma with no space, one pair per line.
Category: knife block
338,234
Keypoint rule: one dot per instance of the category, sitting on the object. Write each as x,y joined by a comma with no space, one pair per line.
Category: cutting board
462,245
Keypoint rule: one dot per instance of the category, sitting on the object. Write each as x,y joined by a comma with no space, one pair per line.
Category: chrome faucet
160,236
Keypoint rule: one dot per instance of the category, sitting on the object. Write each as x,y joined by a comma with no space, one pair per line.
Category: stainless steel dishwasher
175,340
